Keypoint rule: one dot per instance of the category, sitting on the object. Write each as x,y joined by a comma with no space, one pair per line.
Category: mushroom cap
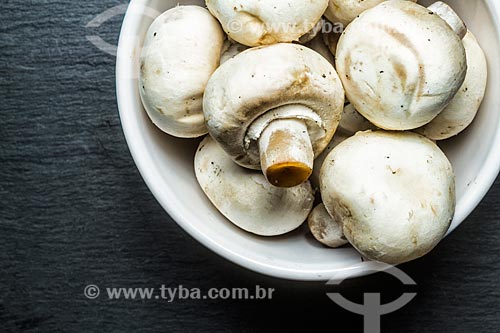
255,23
181,51
393,192
400,64
242,93
352,121
345,11
324,228
464,106
246,198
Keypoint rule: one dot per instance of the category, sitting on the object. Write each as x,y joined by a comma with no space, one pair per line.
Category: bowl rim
124,68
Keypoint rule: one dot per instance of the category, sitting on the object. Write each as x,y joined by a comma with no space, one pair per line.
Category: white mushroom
324,228
464,106
246,198
401,64
345,11
393,193
181,51
274,108
255,23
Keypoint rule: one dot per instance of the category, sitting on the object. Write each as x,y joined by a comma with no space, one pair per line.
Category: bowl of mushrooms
305,152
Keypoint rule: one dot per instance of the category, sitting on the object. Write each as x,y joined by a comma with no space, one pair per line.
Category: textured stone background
74,210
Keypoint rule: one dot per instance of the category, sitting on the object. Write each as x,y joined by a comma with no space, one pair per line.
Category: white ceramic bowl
166,163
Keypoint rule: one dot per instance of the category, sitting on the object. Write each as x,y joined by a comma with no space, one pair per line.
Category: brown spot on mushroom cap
348,62
413,11
434,210
404,41
266,39
401,73
301,78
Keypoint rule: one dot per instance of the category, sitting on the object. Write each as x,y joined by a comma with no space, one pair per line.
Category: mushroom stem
286,152
450,16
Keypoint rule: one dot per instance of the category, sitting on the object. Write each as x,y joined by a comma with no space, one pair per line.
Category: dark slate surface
74,211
